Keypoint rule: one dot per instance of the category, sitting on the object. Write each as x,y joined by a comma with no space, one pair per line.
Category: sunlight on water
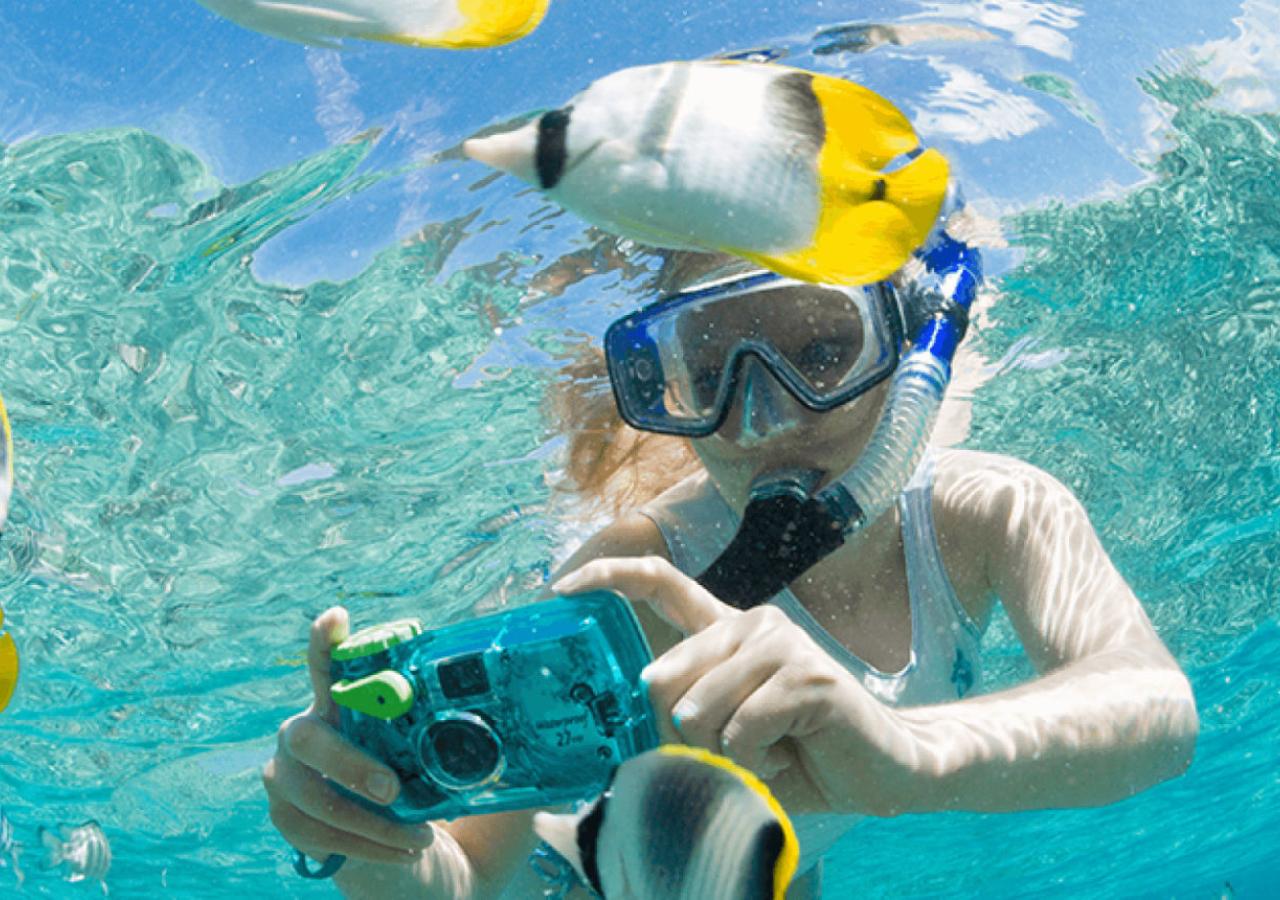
206,459
205,462
1165,305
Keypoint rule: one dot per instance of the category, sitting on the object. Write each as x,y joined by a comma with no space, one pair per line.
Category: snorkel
787,526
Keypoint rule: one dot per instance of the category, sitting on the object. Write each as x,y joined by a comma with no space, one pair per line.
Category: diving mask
675,365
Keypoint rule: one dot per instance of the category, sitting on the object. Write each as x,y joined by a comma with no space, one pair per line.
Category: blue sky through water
1047,106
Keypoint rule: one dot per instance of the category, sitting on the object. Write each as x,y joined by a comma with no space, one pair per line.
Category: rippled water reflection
211,449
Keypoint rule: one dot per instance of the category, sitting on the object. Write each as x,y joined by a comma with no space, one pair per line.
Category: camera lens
462,751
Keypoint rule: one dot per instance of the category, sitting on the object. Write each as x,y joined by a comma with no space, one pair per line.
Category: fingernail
565,584
426,833
381,786
683,710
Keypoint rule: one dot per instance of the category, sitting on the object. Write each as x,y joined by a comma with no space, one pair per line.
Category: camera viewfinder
463,677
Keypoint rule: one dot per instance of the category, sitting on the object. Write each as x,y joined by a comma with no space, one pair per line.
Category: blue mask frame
639,382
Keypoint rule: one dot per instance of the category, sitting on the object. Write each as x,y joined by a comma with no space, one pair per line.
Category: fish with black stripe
83,852
10,846
809,175
679,823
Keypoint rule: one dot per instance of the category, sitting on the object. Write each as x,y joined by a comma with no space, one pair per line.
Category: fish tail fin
870,224
489,23
52,845
918,189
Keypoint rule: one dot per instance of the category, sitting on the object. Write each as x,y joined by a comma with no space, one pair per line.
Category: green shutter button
384,695
376,638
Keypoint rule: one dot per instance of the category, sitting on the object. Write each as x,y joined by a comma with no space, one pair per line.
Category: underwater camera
530,707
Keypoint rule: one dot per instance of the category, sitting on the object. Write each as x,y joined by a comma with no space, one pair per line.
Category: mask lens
674,364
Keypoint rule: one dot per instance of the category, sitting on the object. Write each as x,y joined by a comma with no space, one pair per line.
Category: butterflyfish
8,648
9,665
452,24
809,175
678,823
83,852
10,847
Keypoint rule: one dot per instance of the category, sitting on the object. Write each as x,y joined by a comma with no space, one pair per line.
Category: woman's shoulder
974,484
978,499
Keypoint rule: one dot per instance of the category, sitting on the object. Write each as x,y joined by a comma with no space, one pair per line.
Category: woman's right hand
312,758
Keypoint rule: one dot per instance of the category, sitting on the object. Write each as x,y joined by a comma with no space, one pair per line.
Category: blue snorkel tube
787,527
939,309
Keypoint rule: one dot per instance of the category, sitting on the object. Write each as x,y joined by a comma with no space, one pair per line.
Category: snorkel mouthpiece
787,528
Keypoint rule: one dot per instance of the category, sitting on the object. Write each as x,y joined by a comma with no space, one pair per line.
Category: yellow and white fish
679,823
809,175
9,666
453,24
83,852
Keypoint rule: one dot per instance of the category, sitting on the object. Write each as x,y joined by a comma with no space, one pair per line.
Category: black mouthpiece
782,535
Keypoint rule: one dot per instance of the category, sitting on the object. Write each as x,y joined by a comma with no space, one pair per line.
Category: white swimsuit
945,661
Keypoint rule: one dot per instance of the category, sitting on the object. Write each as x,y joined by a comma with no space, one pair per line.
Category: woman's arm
1111,714
473,857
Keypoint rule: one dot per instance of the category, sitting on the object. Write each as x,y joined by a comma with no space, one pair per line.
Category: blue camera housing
530,707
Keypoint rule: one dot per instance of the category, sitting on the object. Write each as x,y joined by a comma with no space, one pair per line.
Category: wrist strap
327,869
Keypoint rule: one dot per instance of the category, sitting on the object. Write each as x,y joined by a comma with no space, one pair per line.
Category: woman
851,690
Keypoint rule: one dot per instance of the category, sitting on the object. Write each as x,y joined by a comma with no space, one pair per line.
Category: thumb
329,629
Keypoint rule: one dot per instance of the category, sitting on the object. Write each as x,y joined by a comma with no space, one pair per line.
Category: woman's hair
609,464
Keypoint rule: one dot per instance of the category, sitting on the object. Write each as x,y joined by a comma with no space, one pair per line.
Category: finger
670,677
759,723
706,708
329,629
674,596
316,745
307,790
319,840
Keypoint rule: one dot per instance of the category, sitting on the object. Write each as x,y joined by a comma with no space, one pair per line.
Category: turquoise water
267,348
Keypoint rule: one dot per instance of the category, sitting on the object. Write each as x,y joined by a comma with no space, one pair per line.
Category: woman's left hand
755,687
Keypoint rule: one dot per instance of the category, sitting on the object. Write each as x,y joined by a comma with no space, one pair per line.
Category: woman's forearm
1092,732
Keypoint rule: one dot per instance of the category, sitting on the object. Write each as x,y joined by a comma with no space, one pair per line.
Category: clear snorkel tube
786,527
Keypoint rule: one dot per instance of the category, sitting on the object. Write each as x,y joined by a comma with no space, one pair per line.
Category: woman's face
768,430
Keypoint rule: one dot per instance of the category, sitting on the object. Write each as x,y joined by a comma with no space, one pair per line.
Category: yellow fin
861,126
918,189
488,24
858,244
8,669
870,223
789,859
